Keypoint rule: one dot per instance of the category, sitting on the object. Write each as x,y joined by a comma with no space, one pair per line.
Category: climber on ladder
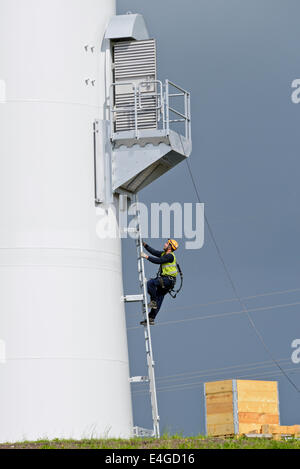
166,279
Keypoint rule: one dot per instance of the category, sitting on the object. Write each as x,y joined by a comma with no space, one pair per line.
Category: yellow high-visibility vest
170,268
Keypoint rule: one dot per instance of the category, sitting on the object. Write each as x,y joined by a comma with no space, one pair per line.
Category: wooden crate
281,429
235,407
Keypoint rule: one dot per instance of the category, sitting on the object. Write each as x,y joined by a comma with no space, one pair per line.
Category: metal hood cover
127,26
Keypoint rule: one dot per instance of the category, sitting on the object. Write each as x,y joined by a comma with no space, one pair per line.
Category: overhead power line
222,315
187,386
231,300
234,289
229,369
208,373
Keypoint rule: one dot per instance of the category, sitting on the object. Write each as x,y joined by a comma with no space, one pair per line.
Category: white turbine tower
64,370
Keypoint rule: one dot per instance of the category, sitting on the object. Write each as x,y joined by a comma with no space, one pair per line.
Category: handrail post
136,112
162,106
111,113
167,107
186,114
190,117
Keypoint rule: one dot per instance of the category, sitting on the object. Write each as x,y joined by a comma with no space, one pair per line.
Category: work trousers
157,293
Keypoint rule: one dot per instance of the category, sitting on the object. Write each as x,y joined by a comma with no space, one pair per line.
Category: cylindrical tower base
61,315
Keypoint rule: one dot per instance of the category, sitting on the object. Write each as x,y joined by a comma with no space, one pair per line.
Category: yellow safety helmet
174,245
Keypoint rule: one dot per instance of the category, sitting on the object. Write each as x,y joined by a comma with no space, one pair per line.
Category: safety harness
172,292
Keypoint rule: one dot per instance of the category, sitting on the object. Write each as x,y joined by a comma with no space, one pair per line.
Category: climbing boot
151,322
152,304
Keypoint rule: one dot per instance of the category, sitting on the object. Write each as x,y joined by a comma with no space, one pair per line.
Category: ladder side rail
147,332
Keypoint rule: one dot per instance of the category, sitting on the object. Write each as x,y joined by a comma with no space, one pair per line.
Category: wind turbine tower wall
65,371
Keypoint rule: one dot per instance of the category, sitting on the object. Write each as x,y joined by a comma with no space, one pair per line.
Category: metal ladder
138,431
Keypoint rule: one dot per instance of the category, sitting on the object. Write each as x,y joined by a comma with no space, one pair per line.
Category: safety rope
243,306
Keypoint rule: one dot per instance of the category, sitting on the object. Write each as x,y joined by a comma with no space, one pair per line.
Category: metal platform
137,156
146,159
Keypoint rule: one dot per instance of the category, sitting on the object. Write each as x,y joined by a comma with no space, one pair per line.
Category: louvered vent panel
135,61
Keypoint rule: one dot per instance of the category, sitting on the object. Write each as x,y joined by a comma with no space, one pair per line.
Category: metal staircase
138,431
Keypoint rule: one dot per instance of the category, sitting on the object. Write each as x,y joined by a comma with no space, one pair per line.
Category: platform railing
175,91
167,115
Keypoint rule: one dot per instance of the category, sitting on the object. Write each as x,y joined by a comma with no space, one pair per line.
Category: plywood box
281,429
240,406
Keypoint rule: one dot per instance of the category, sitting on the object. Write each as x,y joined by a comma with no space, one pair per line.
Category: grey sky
238,58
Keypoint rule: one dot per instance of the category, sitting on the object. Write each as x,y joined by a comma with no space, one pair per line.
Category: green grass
166,442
